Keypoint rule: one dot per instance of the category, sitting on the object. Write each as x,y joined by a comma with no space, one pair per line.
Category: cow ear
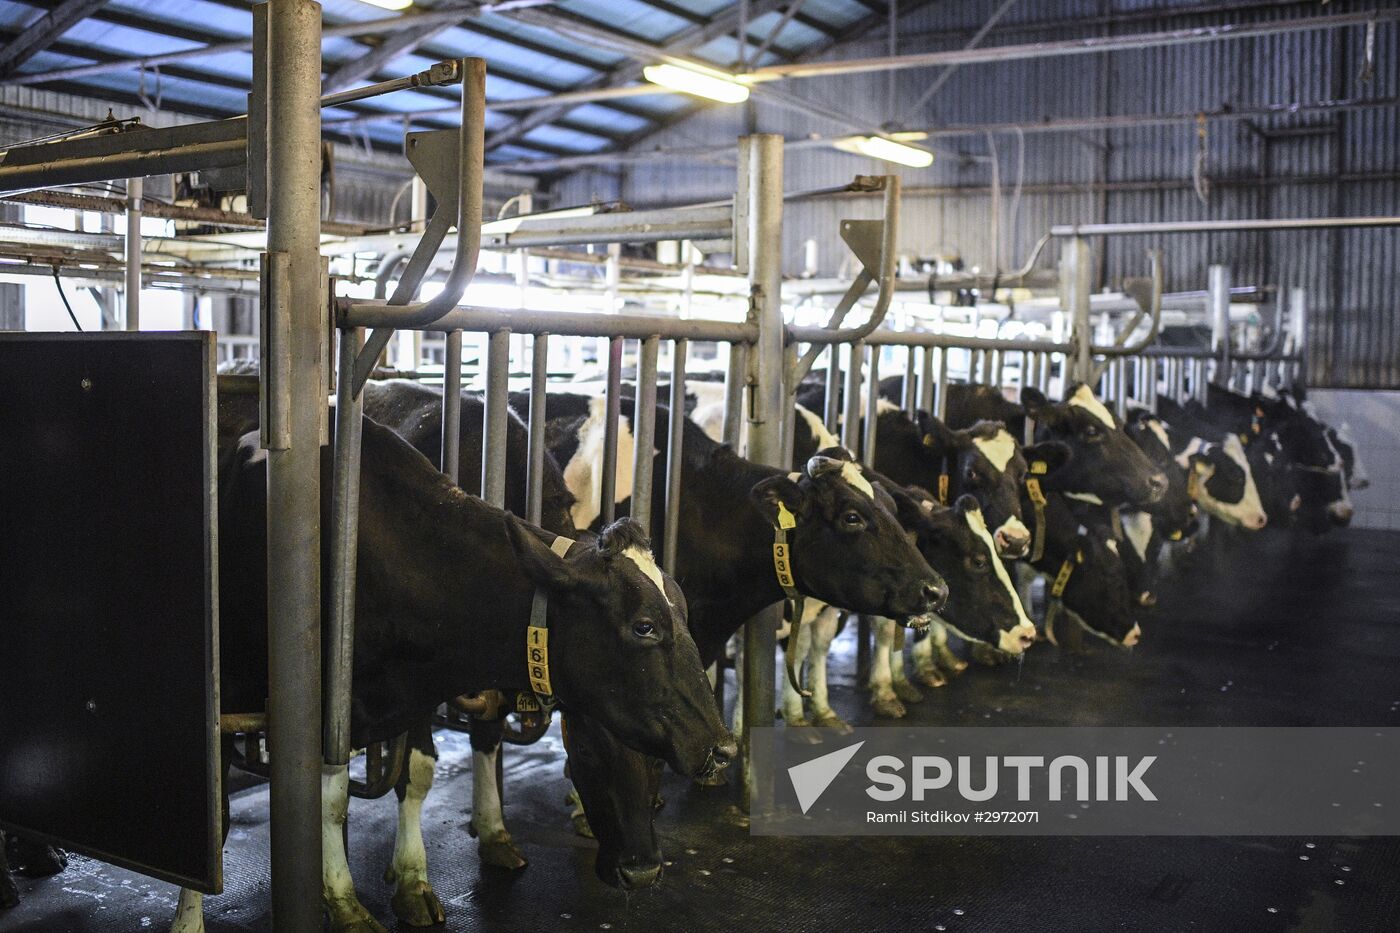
966,504
907,504
779,500
935,433
545,568
1054,454
1033,400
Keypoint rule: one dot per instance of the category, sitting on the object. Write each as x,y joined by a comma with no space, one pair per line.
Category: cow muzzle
1133,637
1012,540
1340,513
719,757
633,876
1015,641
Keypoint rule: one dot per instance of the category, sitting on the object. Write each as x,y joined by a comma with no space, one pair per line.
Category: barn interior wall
1338,163
1371,418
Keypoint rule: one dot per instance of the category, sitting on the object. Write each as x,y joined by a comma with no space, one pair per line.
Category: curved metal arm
388,265
889,260
1156,311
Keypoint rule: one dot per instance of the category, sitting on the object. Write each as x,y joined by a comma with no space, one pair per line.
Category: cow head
1222,482
619,648
1097,589
983,461
1106,463
982,602
1174,512
848,549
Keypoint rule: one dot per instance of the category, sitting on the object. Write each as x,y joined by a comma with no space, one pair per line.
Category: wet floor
1280,631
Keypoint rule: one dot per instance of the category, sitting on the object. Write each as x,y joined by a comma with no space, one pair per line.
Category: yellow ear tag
943,488
1039,467
928,440
786,519
1244,439
1079,557
1176,535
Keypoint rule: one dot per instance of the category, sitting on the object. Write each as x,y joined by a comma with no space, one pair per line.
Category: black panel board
108,599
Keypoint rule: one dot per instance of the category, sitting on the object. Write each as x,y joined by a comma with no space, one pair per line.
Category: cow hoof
40,861
417,905
802,731
829,720
500,853
888,707
932,677
986,654
907,692
951,663
353,918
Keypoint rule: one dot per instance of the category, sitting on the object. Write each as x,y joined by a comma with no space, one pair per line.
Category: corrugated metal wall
1342,162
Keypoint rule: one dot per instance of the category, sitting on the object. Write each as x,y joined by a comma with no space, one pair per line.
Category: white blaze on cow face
1112,544
646,563
998,449
1137,528
1088,497
1155,426
1083,397
850,472
1249,511
1011,641
583,474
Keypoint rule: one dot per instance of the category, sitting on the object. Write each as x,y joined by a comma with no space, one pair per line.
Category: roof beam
679,44
44,31
390,47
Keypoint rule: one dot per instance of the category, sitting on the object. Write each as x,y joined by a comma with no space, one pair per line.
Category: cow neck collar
1055,604
1038,468
945,470
794,603
537,638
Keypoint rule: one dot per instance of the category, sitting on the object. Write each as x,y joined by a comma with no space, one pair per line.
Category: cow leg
902,687
488,824
189,913
823,634
944,657
882,696
925,667
414,901
794,715
347,914
9,891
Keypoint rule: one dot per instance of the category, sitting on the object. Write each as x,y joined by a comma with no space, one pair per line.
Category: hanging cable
64,295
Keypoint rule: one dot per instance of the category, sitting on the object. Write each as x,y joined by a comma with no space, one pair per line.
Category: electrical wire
64,295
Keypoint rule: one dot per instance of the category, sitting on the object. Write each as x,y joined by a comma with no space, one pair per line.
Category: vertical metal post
135,188
611,424
644,431
294,471
972,357
831,411
872,407
1120,386
762,161
493,454
999,369
1218,294
675,451
789,404
345,518
1076,278
452,405
1047,370
850,408
926,379
1033,378
1298,324
910,395
735,380
941,403
534,477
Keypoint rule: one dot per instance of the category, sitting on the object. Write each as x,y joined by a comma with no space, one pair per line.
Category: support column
134,192
1078,264
1218,294
762,160
294,467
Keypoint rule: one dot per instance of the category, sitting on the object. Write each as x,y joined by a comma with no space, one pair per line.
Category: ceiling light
390,4
878,147
710,85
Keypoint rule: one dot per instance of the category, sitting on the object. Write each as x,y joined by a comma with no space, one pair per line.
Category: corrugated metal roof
548,54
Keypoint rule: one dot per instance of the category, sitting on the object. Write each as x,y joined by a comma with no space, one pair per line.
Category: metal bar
683,223
675,452
850,409
134,190
192,157
941,393
1086,45
1218,287
493,454
872,403
345,531
564,323
910,395
644,431
1076,273
761,159
534,479
735,383
1222,226
608,505
831,411
917,108
452,406
294,474
1120,386
926,378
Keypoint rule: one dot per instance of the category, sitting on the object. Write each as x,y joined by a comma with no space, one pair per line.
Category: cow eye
979,562
852,520
1092,431
644,629
970,477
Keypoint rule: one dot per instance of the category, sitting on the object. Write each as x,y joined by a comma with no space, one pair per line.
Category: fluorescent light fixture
710,85
909,136
878,147
390,4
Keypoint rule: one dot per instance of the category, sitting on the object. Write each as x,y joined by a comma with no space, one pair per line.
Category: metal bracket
275,349
863,237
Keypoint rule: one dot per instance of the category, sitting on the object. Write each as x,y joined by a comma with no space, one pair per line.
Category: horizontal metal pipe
230,723
192,157
565,323
710,223
1217,226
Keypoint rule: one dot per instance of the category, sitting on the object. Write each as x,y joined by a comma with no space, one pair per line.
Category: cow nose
935,596
724,752
1257,522
1340,513
1133,636
1156,486
634,876
1012,542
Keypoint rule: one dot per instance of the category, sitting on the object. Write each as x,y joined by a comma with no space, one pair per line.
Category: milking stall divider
767,360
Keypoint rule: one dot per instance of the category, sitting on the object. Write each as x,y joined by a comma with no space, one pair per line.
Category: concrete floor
1278,631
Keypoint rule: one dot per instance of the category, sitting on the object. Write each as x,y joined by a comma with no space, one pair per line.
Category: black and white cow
1147,530
444,594
1219,475
1104,464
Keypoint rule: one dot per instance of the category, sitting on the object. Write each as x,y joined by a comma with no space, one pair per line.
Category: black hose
64,295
